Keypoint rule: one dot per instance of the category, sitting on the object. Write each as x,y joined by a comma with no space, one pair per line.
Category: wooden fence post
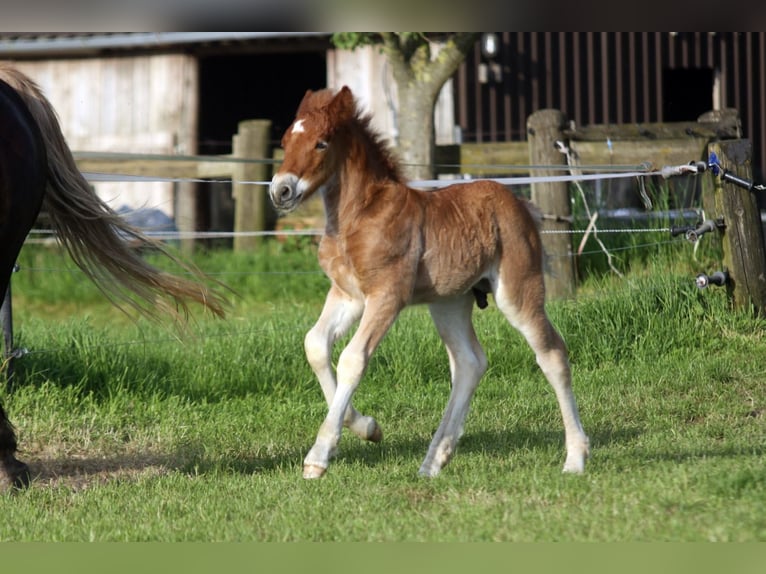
744,254
544,128
251,207
729,127
186,213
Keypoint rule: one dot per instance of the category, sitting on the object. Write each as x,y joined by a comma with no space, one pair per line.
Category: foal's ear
304,102
342,106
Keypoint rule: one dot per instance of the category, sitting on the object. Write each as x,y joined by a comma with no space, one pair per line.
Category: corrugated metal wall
613,77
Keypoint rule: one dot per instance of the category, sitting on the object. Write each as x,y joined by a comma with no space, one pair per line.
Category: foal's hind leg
467,365
527,314
339,314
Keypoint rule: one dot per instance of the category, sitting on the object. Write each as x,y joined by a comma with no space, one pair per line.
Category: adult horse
37,170
387,246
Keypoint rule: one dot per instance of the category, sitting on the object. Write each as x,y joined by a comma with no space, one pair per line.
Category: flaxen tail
99,241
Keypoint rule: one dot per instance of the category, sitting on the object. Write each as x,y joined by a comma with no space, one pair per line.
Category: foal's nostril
284,193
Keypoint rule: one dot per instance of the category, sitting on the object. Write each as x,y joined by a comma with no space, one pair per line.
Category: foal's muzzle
285,191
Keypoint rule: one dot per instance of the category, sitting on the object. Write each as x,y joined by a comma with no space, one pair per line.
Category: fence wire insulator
18,352
691,168
718,278
692,233
717,170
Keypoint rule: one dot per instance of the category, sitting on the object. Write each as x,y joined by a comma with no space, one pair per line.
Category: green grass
137,435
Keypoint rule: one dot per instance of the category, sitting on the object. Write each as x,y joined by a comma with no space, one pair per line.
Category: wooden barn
166,93
184,93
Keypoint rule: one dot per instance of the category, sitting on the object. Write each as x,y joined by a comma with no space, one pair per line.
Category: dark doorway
241,87
253,86
687,93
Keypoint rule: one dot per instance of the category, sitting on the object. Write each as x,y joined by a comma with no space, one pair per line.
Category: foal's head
311,152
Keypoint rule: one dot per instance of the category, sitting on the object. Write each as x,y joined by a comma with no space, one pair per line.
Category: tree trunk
416,132
419,77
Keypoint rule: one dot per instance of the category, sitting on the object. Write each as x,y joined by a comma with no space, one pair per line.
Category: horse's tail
99,241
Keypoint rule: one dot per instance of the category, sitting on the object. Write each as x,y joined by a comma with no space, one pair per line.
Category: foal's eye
321,144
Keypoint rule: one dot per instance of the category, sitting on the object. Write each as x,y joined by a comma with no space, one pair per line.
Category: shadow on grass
78,472
491,444
608,445
81,472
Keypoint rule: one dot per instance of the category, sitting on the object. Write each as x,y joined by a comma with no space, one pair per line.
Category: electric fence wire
613,172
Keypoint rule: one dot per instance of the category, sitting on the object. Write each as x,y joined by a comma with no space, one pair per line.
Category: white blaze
298,127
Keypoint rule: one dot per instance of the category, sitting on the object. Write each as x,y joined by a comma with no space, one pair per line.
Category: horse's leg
378,316
339,314
467,363
13,472
527,314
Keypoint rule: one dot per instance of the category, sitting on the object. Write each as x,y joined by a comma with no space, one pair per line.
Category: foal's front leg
339,314
377,318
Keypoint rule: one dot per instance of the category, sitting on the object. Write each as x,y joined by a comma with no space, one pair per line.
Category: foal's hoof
312,471
574,465
13,473
376,435
366,428
576,457
428,472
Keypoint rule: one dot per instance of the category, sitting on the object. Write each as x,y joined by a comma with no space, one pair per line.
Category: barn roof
29,44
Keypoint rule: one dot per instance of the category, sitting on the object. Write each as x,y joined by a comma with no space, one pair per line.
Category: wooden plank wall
142,104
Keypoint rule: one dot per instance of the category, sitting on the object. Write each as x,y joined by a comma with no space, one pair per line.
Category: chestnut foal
387,246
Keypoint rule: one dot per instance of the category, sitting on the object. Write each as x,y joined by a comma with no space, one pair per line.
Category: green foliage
354,40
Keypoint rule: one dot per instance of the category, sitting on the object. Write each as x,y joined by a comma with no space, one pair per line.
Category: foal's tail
99,241
534,211
537,217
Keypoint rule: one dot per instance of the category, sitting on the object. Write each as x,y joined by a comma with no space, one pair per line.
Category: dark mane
378,147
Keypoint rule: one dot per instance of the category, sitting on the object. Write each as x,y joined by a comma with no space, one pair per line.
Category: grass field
135,434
